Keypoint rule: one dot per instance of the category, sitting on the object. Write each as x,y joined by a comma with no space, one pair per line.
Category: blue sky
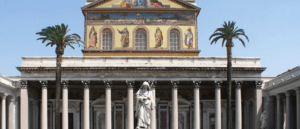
273,27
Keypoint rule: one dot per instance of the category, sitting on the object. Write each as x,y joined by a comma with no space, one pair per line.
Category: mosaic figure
92,38
188,41
124,37
158,38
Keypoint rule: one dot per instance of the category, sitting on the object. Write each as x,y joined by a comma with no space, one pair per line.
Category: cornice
22,69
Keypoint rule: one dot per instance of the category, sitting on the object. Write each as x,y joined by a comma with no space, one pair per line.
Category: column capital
258,84
4,96
197,84
297,90
175,84
218,84
65,84
11,99
44,84
130,84
108,84
86,84
269,98
238,84
278,96
287,93
24,84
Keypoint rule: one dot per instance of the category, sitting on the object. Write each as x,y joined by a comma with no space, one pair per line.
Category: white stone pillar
86,105
270,113
65,105
298,107
288,109
174,105
130,109
3,112
24,105
218,122
44,105
238,105
279,116
153,112
197,119
258,104
12,113
108,85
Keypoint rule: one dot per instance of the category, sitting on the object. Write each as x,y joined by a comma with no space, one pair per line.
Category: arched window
141,40
106,39
174,40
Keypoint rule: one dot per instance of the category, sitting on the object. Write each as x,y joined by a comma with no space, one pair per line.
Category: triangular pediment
140,4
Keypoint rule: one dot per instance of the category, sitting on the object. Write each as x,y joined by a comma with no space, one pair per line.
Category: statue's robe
144,107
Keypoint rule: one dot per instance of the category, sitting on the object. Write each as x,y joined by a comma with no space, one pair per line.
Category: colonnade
7,118
130,108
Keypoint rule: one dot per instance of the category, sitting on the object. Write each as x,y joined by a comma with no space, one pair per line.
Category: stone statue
144,105
263,119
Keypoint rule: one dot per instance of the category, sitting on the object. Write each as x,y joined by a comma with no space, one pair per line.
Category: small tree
227,33
57,36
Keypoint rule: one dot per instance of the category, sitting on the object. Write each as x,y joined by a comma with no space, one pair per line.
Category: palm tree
57,36
227,33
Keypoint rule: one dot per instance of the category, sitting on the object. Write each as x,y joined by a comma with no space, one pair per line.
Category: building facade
126,43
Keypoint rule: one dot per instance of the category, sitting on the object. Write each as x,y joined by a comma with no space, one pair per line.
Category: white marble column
65,104
218,122
86,105
3,111
270,113
298,107
44,105
238,105
258,104
24,105
279,116
153,112
130,109
288,109
12,113
197,119
174,105
108,85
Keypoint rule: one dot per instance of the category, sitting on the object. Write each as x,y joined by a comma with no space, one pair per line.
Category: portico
184,101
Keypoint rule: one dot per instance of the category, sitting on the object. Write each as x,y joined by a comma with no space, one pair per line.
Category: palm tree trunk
229,66
58,91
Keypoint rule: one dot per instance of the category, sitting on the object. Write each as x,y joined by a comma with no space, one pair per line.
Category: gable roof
92,7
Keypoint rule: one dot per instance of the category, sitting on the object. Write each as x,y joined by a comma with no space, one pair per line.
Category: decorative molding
86,84
218,84
175,84
258,84
197,84
112,36
147,35
238,84
130,84
24,84
4,96
108,84
65,84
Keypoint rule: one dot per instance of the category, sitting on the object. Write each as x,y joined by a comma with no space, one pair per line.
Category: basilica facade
126,43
